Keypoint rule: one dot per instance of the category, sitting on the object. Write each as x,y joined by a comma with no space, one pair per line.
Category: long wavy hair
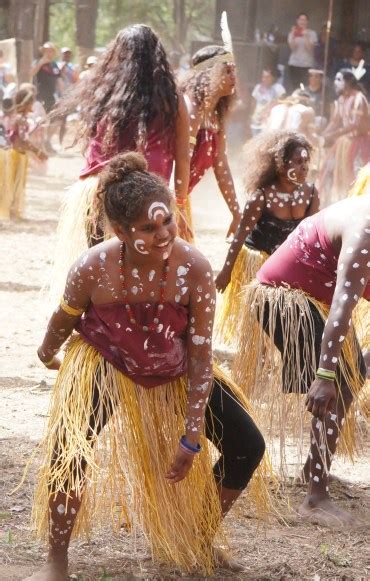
197,84
266,155
131,85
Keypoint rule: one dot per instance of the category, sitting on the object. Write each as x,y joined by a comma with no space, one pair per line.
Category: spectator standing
353,61
301,40
6,74
49,84
69,74
265,95
90,63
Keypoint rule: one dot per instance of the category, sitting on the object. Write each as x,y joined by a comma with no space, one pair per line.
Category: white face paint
304,154
139,245
339,83
157,209
292,176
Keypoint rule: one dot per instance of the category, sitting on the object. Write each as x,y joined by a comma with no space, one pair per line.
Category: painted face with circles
296,169
155,231
339,83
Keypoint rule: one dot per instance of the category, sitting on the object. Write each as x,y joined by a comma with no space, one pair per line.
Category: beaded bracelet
325,374
189,448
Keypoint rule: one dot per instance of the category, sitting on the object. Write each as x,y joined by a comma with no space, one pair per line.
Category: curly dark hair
125,186
197,83
267,154
131,85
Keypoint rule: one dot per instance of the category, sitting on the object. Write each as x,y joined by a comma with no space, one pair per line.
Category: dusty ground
274,550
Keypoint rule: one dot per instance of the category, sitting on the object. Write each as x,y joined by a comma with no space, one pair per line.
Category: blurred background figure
357,54
264,96
69,75
49,84
295,113
333,53
6,73
301,40
347,136
90,64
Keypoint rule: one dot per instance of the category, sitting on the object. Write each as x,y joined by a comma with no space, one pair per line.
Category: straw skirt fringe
72,232
13,177
228,317
126,462
258,366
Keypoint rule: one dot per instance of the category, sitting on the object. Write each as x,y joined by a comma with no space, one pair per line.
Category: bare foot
224,560
51,571
324,512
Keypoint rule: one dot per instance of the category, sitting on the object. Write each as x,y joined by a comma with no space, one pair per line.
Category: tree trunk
86,17
181,24
22,17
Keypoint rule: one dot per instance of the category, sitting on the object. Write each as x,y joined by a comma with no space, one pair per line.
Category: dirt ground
280,549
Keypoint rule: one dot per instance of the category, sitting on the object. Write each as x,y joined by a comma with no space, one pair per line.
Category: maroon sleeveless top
148,358
158,150
203,156
307,261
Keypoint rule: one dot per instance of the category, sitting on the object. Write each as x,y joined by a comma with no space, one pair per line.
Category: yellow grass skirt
13,177
189,220
6,194
125,481
229,315
258,366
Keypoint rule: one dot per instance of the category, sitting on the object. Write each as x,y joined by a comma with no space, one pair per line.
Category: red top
203,156
306,260
158,150
148,358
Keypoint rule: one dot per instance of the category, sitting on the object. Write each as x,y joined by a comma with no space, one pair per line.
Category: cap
315,72
48,45
92,60
65,49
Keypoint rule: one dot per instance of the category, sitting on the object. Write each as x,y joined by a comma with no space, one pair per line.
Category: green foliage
116,14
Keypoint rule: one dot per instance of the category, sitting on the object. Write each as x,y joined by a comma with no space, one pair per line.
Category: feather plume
225,33
360,70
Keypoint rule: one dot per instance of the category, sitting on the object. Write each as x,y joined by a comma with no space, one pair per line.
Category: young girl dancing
136,398
278,199
129,102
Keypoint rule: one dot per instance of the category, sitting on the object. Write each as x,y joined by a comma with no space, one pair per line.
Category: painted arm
199,355
182,164
76,298
352,276
225,181
252,212
19,138
358,125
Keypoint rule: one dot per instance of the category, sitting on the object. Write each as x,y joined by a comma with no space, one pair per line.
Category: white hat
92,60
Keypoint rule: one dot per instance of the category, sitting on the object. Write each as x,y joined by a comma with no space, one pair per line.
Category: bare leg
62,517
317,506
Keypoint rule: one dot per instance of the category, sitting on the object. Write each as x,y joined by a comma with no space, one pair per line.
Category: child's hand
180,466
222,280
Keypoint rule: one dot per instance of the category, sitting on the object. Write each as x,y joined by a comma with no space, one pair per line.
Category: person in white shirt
301,40
265,95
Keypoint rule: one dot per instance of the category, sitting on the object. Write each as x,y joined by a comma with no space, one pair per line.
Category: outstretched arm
252,213
352,276
225,181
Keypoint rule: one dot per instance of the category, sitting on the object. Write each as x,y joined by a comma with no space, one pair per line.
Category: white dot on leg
316,479
61,508
318,466
330,431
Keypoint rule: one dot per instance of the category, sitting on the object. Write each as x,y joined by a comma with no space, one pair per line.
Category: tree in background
178,22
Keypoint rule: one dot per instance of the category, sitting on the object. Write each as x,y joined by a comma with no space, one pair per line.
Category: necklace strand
162,284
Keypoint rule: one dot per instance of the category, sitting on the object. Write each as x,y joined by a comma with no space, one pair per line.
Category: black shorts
298,357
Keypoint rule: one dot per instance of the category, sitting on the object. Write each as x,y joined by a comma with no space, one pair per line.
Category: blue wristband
190,447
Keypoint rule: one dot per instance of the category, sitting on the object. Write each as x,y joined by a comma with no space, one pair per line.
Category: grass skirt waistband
125,464
259,368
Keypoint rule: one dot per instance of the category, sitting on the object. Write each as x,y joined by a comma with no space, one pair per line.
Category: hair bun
123,164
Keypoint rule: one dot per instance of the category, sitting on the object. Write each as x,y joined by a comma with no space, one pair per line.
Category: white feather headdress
360,70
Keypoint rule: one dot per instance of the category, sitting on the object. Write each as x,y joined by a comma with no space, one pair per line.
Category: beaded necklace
162,284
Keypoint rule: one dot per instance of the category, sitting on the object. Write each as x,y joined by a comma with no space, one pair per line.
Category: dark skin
347,226
147,242
224,85
297,168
